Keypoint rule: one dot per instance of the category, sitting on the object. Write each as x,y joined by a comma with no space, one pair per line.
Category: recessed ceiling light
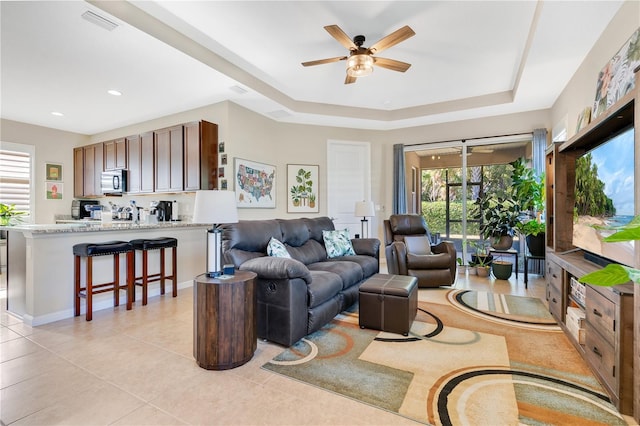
114,92
57,114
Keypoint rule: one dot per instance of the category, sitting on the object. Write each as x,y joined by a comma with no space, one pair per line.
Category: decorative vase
535,244
501,270
503,243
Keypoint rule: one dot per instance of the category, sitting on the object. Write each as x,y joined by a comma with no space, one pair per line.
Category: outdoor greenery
435,214
590,197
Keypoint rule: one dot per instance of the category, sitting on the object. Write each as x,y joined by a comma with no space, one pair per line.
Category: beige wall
255,137
51,146
581,90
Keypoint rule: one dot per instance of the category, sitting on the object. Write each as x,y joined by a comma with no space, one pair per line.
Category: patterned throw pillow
338,243
275,248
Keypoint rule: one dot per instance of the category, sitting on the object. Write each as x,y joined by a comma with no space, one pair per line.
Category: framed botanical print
302,188
255,184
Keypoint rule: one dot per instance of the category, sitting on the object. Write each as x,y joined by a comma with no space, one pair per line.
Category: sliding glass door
452,177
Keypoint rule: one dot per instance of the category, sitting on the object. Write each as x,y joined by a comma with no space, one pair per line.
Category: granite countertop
96,226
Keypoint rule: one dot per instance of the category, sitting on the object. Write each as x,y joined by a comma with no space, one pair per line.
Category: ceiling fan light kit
360,60
359,65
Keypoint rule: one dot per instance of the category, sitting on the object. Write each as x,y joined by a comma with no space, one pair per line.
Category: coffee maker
163,211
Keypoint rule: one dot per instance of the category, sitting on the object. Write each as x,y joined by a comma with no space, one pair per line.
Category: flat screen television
604,195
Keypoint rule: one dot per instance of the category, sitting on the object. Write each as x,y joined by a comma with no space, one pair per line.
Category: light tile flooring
137,368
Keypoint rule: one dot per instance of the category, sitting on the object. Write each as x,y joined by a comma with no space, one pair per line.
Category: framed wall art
53,172
302,188
54,190
255,184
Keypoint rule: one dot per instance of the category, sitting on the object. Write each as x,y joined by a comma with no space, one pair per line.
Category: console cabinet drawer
601,314
601,355
554,290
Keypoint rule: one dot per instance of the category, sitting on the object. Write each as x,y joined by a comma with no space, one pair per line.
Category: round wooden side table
224,320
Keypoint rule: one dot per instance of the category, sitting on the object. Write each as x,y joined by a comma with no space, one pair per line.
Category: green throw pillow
338,243
275,248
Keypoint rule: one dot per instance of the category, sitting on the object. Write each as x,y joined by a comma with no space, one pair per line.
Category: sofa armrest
277,268
397,258
366,246
445,247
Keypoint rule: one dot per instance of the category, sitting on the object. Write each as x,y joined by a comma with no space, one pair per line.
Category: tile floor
137,368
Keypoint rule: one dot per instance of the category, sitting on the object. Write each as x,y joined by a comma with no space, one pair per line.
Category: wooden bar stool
89,251
156,244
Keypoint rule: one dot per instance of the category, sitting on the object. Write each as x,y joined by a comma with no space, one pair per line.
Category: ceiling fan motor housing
359,40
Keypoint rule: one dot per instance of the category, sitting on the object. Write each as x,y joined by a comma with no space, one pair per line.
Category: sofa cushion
417,244
428,261
295,232
369,265
276,249
337,243
350,273
323,286
249,235
310,252
318,224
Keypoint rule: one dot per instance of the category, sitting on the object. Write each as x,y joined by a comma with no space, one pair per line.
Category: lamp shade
365,209
213,206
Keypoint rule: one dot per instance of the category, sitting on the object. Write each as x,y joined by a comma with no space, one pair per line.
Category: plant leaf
626,234
608,276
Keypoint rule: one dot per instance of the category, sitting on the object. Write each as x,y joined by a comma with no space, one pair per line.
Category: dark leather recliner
409,252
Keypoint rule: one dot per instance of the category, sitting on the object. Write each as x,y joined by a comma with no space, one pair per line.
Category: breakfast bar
40,263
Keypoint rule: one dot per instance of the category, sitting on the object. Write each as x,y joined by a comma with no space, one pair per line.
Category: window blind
15,179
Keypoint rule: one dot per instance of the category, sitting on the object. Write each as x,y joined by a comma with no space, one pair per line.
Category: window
15,175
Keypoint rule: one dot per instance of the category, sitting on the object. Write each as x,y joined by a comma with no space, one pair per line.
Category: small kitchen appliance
79,210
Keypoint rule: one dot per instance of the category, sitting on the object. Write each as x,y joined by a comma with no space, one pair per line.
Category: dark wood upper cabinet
200,155
168,144
78,172
175,159
115,154
93,166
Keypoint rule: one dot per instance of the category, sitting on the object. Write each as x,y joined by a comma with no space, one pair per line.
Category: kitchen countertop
96,226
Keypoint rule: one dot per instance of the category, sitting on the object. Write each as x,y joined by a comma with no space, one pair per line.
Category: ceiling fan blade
349,79
391,64
324,61
392,39
337,33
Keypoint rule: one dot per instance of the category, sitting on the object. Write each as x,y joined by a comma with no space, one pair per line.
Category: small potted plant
502,269
482,265
534,233
529,192
9,215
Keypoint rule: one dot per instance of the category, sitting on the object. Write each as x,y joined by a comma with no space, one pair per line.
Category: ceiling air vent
99,20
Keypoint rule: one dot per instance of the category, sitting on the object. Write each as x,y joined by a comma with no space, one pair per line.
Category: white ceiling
469,59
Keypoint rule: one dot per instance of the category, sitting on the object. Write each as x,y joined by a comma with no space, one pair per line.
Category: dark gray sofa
298,296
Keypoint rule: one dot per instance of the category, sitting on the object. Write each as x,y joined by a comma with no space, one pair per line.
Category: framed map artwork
255,184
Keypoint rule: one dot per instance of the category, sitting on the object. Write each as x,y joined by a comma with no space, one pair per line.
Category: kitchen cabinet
88,163
200,156
115,154
78,172
140,163
175,159
169,157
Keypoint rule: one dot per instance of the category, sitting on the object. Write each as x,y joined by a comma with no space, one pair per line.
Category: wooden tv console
611,337
608,325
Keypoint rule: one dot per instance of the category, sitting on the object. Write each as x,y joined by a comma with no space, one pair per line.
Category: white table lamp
215,207
365,209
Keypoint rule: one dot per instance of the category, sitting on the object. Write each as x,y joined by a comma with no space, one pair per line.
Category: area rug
471,358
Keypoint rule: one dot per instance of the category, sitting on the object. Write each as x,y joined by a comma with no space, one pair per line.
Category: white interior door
348,181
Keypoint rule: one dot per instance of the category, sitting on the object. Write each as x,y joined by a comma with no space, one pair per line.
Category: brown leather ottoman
388,303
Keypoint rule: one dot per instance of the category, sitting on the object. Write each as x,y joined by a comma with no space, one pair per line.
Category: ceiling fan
360,60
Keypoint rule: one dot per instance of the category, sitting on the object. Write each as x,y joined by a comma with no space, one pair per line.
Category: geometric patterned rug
470,358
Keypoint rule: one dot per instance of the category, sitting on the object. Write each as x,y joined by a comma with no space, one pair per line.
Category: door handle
597,313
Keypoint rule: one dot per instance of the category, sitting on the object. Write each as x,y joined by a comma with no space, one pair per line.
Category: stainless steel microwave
114,182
